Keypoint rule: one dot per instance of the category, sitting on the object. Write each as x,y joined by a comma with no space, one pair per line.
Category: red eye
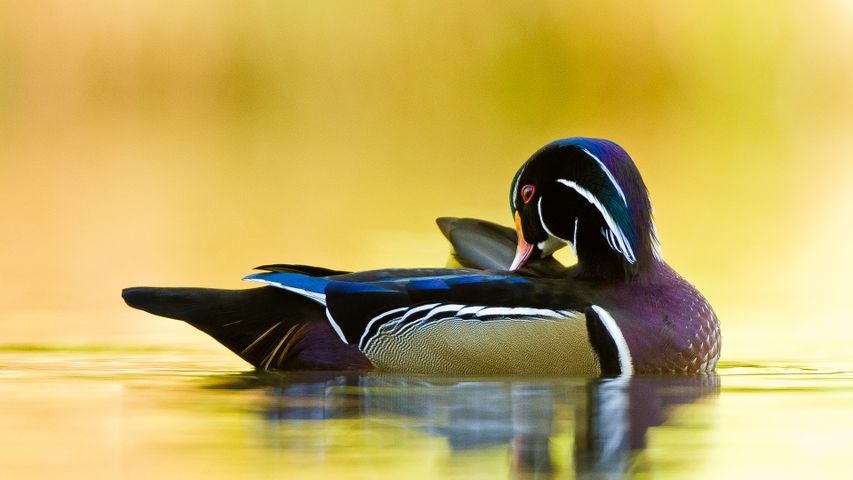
527,193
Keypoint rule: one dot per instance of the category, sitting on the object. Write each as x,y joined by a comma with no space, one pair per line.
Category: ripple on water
170,413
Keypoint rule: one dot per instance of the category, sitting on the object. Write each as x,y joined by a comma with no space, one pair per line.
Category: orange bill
524,249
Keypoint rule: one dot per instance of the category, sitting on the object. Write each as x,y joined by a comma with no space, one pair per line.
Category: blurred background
163,143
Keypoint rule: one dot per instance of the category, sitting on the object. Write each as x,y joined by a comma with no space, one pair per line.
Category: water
171,413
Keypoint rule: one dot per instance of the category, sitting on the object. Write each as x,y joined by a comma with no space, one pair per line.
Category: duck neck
598,261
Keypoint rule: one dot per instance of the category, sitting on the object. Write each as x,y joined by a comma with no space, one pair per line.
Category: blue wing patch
336,287
428,284
318,285
352,305
466,279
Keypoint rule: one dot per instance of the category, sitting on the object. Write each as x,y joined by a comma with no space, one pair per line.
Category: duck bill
524,249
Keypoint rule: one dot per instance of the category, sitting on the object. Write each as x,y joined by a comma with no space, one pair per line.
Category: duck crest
590,195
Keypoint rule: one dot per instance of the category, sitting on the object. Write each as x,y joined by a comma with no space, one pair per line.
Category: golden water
124,412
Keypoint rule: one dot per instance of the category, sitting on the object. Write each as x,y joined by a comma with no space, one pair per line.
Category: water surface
110,412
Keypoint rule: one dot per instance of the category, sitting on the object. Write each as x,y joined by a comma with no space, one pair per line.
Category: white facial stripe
612,237
542,221
623,244
554,241
607,234
625,363
609,175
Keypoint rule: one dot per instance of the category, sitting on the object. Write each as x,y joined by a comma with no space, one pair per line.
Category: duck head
586,193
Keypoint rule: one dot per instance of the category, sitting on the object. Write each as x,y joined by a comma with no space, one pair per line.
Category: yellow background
172,143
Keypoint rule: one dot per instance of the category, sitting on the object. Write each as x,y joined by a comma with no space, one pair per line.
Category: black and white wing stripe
401,320
435,323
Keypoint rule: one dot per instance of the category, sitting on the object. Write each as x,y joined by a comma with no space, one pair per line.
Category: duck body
438,321
668,325
511,309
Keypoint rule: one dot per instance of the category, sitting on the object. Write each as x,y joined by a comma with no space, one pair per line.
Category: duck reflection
607,418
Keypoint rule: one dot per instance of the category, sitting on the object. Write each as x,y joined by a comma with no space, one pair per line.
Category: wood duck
512,308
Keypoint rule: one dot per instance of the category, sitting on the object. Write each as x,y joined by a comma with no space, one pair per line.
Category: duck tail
267,327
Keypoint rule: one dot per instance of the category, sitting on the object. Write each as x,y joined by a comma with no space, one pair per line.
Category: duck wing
297,268
456,323
485,245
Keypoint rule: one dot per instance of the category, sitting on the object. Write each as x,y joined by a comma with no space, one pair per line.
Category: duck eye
527,193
